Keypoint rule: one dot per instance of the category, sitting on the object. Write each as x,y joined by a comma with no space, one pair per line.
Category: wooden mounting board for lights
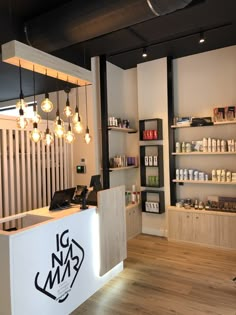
14,52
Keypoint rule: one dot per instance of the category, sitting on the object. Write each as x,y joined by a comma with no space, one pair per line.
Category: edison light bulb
21,121
21,104
59,127
67,111
47,105
87,136
48,138
36,118
78,128
69,137
35,134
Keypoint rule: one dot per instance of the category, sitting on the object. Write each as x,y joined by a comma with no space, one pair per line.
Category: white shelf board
204,153
219,123
120,129
208,182
122,168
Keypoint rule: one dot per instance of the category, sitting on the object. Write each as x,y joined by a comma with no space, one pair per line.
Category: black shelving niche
154,125
150,173
149,200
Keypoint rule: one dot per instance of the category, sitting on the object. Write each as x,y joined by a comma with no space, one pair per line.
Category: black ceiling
175,34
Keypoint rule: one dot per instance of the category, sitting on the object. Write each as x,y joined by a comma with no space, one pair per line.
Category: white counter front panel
54,267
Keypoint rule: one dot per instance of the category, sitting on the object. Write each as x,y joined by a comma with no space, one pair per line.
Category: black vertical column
104,119
171,130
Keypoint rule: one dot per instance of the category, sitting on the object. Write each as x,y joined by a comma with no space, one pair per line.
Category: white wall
202,82
152,103
122,103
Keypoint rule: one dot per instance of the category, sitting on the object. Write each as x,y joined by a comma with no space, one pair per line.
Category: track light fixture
144,53
201,38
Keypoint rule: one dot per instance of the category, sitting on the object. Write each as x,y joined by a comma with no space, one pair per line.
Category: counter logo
65,265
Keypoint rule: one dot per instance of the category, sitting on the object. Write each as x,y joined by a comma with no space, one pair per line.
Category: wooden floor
162,277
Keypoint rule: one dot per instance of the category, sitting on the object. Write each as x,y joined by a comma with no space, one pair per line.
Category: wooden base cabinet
203,227
133,220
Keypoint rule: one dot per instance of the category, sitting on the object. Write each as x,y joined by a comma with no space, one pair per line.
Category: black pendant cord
58,111
77,99
20,74
47,130
86,105
46,84
34,106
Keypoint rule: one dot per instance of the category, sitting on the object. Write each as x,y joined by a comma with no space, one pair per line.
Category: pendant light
48,138
36,117
21,121
69,136
87,136
21,104
58,123
35,134
77,125
46,105
67,110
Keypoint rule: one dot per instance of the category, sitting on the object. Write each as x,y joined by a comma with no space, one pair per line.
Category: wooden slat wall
30,173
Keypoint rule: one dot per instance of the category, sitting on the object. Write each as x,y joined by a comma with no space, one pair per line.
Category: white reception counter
53,263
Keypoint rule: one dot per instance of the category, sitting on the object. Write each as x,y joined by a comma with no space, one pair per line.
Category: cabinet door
227,231
133,222
128,224
180,225
205,229
137,220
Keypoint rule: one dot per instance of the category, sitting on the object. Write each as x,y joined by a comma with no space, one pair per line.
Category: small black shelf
151,126
155,198
151,173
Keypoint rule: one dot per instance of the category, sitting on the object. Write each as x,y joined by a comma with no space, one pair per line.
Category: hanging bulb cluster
74,120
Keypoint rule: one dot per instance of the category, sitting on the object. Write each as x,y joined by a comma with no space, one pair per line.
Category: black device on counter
80,196
61,199
95,182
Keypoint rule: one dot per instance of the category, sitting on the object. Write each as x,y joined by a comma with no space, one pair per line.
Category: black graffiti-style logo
65,265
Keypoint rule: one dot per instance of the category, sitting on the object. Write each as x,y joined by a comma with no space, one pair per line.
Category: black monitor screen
62,199
95,182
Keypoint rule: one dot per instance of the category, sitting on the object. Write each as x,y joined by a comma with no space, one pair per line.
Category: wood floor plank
164,278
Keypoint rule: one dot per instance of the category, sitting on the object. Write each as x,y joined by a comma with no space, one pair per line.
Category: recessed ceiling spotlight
144,54
201,38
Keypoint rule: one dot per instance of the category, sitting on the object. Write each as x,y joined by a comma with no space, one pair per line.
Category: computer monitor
95,182
62,199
